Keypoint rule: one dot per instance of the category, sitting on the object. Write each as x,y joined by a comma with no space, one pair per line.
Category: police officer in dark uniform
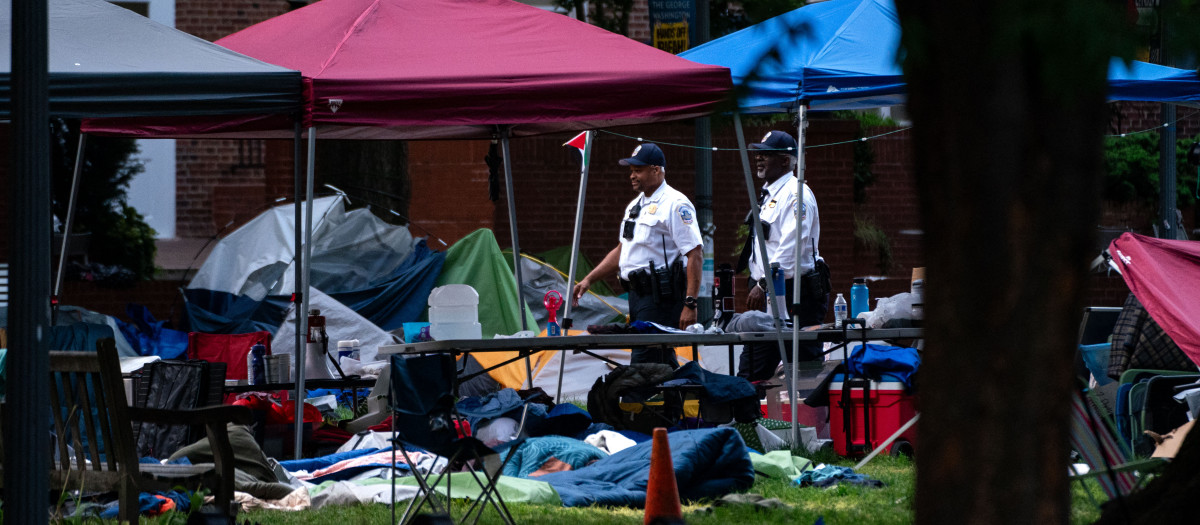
659,255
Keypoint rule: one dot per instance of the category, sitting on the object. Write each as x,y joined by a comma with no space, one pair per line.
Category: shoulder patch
686,214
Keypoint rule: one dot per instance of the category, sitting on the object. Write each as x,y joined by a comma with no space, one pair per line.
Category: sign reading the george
672,24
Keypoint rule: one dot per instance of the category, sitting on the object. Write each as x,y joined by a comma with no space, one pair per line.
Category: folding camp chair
424,417
1093,436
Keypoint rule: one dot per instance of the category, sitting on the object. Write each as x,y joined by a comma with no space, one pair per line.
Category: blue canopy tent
845,54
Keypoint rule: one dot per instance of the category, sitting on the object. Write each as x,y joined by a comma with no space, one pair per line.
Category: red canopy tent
1164,275
450,69
420,69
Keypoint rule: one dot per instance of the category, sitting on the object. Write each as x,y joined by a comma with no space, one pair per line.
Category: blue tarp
708,463
149,337
401,296
845,54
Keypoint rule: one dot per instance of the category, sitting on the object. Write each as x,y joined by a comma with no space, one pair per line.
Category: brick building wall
547,184
1137,116
220,182
639,21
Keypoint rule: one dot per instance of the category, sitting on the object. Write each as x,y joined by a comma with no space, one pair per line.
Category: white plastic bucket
446,331
454,295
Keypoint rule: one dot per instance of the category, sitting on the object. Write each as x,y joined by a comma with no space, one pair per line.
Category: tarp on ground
1164,275
105,60
413,69
845,54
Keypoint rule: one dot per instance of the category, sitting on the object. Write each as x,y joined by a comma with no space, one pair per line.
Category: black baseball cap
645,155
778,141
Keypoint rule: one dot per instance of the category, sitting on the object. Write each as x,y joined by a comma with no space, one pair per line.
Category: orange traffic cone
662,495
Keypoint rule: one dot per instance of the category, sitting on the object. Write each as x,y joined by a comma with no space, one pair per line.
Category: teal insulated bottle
860,297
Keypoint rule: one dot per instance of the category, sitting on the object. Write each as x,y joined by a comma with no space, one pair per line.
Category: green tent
476,260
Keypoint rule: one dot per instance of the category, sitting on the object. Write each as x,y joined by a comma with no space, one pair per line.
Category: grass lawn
891,504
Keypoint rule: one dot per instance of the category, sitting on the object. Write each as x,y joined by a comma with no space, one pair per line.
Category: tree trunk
1007,99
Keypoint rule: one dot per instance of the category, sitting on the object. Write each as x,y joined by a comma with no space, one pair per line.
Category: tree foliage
1131,169
119,234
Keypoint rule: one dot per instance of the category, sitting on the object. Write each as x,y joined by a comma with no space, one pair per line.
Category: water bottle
839,311
256,371
781,297
860,298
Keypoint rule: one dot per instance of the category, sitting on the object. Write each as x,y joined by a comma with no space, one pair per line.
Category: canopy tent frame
466,97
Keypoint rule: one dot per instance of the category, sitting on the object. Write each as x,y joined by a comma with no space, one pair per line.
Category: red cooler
863,413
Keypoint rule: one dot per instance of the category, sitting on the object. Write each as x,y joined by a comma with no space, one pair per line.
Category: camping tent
1164,276
353,249
374,268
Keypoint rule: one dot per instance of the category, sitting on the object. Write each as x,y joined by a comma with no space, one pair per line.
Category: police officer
781,212
659,255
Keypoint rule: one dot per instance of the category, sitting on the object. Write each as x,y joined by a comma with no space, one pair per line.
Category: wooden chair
95,449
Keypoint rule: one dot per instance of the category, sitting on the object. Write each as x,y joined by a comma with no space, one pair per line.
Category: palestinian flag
581,143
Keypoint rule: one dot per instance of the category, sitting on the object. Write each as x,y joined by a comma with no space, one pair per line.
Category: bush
120,235
1131,169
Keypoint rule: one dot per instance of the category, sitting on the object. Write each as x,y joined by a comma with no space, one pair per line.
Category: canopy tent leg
762,253
583,179
516,244
802,118
302,276
26,478
62,255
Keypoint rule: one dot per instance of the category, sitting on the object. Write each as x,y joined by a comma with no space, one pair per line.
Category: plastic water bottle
839,311
860,297
256,370
781,298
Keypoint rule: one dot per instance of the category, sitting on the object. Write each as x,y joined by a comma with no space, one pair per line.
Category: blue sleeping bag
708,463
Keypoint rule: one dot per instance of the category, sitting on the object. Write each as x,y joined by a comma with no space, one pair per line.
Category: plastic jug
454,312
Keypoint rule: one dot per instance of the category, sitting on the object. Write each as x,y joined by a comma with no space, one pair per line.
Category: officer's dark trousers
644,308
759,360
